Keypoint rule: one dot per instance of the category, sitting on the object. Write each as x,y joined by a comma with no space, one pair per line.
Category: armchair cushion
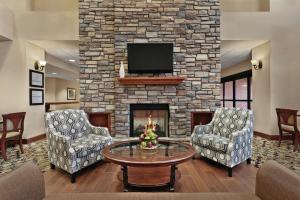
89,145
213,142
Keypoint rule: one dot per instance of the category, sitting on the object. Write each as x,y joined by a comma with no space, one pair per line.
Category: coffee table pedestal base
135,178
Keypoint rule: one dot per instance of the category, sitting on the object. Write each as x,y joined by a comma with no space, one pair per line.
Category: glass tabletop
165,150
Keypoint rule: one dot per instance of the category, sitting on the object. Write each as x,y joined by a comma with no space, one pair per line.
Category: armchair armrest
60,144
244,134
200,130
58,138
100,131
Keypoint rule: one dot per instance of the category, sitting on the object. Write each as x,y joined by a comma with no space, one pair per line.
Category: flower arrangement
149,139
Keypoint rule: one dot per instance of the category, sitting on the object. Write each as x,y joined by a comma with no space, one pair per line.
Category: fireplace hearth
141,113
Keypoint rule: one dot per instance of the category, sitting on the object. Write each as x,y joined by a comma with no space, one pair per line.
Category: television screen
150,57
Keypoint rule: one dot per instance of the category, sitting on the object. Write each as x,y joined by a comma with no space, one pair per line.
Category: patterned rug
36,152
263,150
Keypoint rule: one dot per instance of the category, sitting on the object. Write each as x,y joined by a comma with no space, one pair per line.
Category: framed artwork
36,79
71,94
36,97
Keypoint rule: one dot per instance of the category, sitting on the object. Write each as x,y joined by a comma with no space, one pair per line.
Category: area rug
263,150
36,152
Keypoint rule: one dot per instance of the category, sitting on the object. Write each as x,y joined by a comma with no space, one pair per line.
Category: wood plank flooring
199,175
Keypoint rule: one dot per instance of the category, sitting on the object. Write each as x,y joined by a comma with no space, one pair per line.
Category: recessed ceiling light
72,60
54,73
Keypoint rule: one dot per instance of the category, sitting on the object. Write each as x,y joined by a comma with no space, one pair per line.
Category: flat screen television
150,57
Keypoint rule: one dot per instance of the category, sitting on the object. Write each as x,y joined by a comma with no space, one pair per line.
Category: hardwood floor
199,175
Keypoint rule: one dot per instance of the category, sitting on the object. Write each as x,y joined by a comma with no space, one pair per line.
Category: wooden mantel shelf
171,80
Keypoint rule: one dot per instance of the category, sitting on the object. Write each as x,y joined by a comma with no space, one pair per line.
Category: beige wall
245,5
281,27
50,89
261,89
6,23
17,57
241,67
56,91
54,5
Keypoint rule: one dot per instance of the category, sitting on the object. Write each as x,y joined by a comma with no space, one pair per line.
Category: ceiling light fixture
72,60
54,73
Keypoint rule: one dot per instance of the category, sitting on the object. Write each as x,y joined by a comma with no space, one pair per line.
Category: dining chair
287,123
13,127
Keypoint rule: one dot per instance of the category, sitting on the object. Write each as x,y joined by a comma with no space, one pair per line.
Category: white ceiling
56,72
234,52
64,50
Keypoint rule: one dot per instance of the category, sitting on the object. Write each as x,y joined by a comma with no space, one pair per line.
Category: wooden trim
34,139
66,102
272,137
48,104
172,80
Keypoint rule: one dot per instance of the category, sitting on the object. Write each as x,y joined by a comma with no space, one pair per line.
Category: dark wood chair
13,127
287,123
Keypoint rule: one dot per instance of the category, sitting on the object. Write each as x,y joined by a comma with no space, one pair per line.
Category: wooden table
149,168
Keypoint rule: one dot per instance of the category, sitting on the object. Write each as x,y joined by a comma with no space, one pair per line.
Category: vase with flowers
149,138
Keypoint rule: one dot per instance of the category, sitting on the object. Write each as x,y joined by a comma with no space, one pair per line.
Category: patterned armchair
227,139
73,143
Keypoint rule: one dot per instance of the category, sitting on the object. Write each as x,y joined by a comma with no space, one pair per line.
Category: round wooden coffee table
149,168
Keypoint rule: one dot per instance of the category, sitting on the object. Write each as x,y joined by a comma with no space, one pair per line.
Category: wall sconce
256,64
40,65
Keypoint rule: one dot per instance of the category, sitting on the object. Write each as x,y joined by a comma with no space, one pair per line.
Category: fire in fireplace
140,115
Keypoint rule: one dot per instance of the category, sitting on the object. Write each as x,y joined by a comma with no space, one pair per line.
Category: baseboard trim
34,139
271,137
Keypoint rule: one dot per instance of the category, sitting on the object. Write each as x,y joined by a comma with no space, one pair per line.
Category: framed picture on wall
36,79
71,94
36,97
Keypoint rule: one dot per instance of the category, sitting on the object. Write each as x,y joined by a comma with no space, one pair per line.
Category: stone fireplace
140,115
107,26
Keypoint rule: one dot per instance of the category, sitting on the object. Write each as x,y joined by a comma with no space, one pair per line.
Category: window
236,90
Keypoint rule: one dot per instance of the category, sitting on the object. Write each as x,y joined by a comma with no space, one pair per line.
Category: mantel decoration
149,138
122,70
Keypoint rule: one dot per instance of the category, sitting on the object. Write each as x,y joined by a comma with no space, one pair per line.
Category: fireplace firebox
140,114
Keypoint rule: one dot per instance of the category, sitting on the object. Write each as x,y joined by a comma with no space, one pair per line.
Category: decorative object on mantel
71,94
149,138
122,70
170,80
256,64
40,65
36,79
